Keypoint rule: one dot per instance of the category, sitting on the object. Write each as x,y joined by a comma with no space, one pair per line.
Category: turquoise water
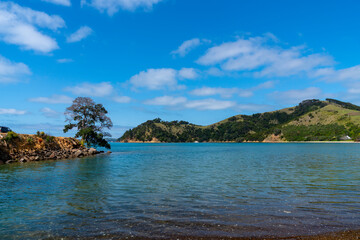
169,190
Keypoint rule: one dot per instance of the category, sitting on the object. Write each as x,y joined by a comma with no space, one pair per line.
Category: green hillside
311,120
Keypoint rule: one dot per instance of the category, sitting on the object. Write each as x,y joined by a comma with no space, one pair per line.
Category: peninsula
311,120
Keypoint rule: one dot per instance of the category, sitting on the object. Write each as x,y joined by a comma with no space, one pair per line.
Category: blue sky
200,61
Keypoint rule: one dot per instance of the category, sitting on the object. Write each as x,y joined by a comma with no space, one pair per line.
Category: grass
329,114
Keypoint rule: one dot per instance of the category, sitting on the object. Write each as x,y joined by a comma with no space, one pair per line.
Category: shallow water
168,190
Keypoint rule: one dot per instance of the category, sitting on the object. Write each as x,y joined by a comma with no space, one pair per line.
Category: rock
92,151
23,160
52,156
108,152
78,153
9,161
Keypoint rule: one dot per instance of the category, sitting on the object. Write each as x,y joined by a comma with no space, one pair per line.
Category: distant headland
310,120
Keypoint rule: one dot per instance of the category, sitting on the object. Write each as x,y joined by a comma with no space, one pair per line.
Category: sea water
170,190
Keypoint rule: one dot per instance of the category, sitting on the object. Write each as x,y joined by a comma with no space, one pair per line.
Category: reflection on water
165,190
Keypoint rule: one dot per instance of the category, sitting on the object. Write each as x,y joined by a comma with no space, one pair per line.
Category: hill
311,120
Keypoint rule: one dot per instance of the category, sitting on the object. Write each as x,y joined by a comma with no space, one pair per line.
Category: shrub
41,134
11,136
49,139
30,140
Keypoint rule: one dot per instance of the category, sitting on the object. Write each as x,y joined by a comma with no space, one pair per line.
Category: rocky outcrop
27,148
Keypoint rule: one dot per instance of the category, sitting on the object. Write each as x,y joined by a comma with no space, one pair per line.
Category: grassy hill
311,120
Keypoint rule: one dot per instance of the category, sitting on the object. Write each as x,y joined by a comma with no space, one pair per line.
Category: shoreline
29,147
340,235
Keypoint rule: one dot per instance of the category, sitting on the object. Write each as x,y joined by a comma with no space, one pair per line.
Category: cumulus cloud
113,6
162,78
66,3
50,113
188,46
122,99
11,111
80,34
182,102
54,99
229,92
263,58
18,25
93,90
155,79
188,73
11,71
296,96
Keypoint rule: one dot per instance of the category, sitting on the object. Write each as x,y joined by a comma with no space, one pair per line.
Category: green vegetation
344,104
30,140
11,136
90,120
330,132
311,120
47,137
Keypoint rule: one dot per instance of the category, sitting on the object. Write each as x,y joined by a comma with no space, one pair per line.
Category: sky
196,60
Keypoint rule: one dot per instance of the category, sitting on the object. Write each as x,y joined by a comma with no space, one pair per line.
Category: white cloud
80,34
346,74
50,113
296,96
11,111
188,46
18,25
122,99
264,85
11,71
166,101
209,91
162,78
215,72
229,92
113,6
93,90
253,107
188,73
66,3
64,60
257,55
182,102
353,88
209,104
54,99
